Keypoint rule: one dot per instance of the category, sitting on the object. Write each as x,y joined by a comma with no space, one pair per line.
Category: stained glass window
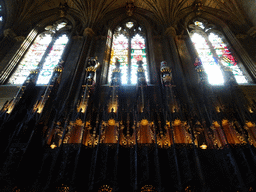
120,50
1,14
129,47
138,52
226,57
31,60
213,53
52,59
211,67
41,55
199,24
129,25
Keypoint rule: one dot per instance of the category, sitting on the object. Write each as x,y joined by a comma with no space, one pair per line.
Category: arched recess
230,38
111,24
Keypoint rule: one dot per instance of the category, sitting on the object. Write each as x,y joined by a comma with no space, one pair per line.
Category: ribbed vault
90,12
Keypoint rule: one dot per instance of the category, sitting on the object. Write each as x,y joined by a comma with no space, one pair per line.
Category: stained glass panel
211,67
138,52
61,25
129,25
129,47
119,50
52,59
226,57
31,59
199,24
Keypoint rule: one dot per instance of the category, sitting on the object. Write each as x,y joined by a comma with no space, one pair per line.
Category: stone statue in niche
141,73
166,73
116,74
117,63
92,66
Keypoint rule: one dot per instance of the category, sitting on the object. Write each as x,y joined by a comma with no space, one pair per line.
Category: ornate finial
144,122
79,122
59,67
200,70
111,122
141,72
129,8
165,68
166,73
176,122
32,76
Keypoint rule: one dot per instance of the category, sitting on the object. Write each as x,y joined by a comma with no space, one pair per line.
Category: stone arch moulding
54,18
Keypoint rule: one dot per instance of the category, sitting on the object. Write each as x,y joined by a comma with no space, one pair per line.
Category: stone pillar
178,75
79,72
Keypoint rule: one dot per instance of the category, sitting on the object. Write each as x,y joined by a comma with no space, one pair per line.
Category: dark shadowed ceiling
165,12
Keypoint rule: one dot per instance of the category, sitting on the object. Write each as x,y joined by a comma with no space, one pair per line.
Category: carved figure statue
117,63
116,74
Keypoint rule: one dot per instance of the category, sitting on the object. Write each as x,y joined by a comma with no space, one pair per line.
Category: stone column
178,75
75,83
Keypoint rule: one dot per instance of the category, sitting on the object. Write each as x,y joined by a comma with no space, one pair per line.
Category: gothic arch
205,16
120,15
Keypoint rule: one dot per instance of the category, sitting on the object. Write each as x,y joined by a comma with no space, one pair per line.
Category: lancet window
129,46
213,52
45,53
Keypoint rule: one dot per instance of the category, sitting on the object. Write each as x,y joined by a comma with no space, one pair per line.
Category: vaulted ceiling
165,12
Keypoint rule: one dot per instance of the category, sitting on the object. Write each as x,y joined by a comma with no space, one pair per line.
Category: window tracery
214,52
45,52
129,46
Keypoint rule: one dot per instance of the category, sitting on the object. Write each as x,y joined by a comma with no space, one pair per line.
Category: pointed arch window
129,46
214,51
44,53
